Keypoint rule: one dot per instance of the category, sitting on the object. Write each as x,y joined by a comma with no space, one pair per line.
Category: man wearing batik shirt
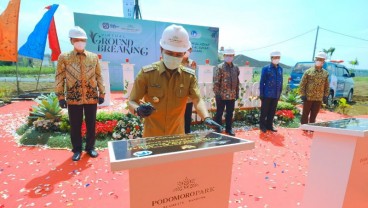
226,89
270,87
313,89
79,72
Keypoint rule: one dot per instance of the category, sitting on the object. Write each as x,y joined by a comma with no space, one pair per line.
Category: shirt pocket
155,92
181,91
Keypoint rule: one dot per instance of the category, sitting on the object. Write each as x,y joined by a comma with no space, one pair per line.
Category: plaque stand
128,78
194,178
195,183
338,168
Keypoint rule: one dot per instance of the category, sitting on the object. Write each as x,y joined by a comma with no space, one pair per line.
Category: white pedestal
246,74
106,79
128,77
338,169
205,74
188,171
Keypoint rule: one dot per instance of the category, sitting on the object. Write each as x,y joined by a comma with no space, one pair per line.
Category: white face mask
80,45
275,61
171,62
318,63
228,59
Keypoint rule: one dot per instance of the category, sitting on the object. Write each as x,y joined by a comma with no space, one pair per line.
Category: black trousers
310,109
268,110
188,117
220,106
76,118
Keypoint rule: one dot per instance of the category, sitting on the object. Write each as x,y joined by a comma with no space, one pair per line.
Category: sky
248,26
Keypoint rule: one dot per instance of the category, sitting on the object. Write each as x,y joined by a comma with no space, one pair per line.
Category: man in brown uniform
167,85
313,89
79,70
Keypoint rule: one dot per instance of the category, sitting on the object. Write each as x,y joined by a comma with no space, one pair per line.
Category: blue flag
36,42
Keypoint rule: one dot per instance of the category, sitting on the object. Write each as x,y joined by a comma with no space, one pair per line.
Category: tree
354,63
329,52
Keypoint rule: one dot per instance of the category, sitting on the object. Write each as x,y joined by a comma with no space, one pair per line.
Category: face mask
318,63
171,62
80,45
275,61
228,59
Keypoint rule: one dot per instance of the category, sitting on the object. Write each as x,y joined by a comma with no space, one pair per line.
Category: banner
9,32
53,40
35,45
117,39
128,8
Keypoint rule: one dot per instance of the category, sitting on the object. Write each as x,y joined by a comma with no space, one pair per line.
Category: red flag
9,32
53,40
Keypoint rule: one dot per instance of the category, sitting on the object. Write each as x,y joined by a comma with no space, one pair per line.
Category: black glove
218,97
145,110
213,125
101,100
304,98
325,99
62,103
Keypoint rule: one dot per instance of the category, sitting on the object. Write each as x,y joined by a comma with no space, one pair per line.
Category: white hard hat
321,54
175,38
229,51
275,53
77,32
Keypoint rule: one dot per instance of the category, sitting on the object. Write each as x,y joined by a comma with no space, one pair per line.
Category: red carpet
271,175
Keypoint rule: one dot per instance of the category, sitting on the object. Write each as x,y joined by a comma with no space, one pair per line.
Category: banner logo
120,27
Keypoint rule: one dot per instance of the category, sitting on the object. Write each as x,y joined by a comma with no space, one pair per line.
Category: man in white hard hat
79,71
270,88
226,89
313,89
165,87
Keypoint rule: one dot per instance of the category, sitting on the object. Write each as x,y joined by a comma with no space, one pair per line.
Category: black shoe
263,129
92,153
273,129
230,132
76,156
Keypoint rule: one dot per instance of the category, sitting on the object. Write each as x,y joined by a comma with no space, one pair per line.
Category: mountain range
240,60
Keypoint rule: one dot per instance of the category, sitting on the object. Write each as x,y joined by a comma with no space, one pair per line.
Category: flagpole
39,73
16,70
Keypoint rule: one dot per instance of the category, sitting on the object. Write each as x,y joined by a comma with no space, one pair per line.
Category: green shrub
343,106
108,116
247,116
281,105
22,129
47,108
65,123
291,98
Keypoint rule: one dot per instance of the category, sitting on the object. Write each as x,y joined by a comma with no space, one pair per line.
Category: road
14,79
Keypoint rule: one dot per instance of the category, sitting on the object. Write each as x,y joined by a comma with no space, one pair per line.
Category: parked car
341,81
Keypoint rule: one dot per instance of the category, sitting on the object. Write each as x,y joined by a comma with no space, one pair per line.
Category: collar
231,64
74,52
273,66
